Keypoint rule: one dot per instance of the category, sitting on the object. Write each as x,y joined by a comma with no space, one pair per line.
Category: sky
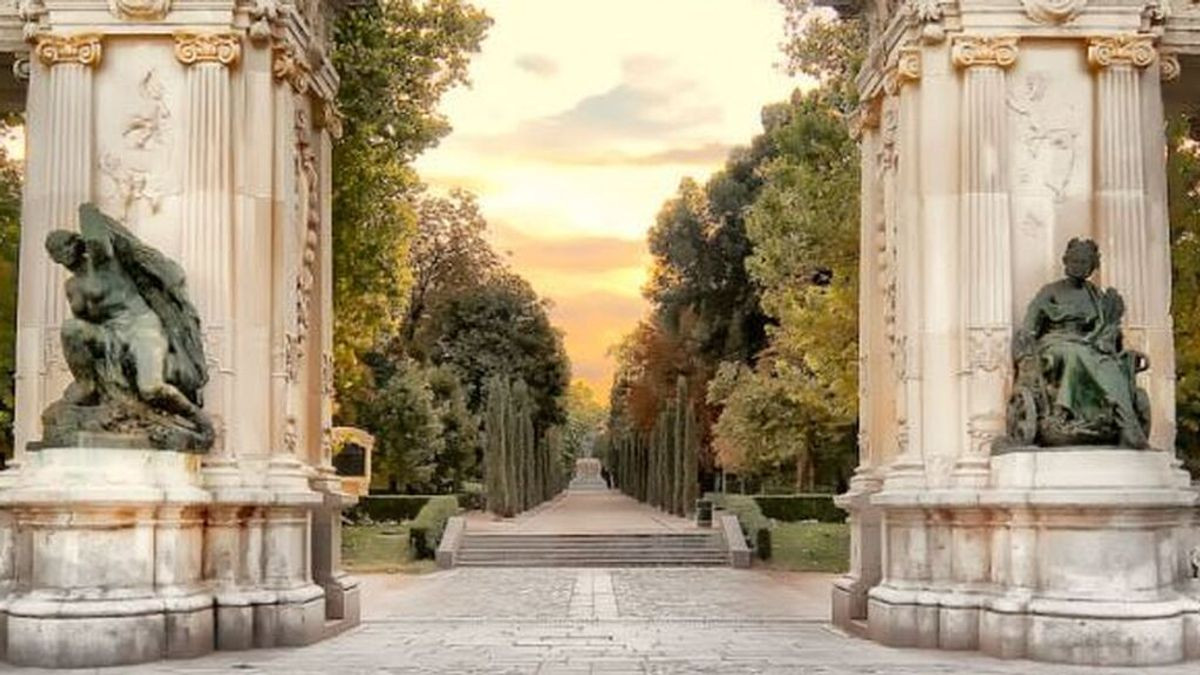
581,121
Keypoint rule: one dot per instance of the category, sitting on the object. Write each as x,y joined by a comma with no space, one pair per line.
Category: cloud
580,255
536,64
649,106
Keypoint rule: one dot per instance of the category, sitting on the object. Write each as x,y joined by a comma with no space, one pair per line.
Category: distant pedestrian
605,476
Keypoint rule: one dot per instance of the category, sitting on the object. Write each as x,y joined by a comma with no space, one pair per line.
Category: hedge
755,526
793,508
396,508
425,531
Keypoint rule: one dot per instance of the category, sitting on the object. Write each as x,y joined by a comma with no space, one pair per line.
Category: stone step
659,549
593,563
514,543
587,552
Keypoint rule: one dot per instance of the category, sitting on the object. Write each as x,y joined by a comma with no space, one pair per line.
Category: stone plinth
108,558
1070,555
587,475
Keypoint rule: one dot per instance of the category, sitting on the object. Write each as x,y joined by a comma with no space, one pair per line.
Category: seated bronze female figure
1075,381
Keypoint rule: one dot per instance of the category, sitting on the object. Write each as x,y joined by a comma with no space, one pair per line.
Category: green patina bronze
133,342
1075,381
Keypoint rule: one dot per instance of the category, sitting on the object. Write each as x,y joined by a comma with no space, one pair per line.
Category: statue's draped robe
1079,351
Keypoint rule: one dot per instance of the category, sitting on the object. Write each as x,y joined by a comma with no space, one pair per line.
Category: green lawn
380,548
810,547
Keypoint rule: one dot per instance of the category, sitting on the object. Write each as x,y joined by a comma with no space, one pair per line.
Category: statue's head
65,248
1081,258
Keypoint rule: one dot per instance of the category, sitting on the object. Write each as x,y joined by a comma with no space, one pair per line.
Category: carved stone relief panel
140,10
1049,107
137,140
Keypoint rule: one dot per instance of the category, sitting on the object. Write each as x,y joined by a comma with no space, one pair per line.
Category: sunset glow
583,118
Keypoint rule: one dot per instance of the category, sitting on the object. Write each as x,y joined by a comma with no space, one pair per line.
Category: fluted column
207,212
60,129
986,254
1120,204
1131,234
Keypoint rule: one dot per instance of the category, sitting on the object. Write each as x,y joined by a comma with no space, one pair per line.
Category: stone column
986,253
207,214
1120,200
901,149
331,128
58,181
1125,229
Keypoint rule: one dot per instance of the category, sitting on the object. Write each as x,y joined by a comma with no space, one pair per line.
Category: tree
584,424
449,255
456,460
503,328
408,430
11,180
1183,180
396,59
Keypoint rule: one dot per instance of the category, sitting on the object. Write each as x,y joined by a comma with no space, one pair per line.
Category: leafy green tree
408,430
584,425
11,180
450,255
1183,180
396,59
503,327
456,461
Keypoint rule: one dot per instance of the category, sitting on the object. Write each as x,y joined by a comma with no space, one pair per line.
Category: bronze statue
1075,381
133,343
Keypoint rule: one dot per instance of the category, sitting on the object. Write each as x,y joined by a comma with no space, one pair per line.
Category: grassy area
810,547
380,548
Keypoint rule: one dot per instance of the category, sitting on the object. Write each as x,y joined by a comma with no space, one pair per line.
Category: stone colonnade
991,135
205,128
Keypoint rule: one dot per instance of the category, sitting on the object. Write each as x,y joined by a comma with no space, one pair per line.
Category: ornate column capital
1121,50
907,69
53,50
998,51
1168,67
223,48
289,67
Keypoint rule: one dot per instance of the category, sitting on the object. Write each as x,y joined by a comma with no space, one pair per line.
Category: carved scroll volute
1121,50
1168,67
222,48
1000,52
83,49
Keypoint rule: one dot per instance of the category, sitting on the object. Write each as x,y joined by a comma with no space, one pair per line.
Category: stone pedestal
108,558
1069,555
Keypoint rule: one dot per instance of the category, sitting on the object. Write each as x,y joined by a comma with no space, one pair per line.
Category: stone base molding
115,555
1075,555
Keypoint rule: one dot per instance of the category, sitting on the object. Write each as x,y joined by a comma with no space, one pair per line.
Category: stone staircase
675,549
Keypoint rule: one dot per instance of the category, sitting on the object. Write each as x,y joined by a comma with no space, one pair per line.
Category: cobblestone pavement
572,622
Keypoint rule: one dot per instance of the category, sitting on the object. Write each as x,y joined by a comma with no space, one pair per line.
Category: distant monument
588,475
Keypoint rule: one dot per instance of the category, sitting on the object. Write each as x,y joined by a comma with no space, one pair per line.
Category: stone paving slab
589,621
583,512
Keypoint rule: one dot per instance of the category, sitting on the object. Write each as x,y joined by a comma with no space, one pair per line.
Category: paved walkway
572,622
583,512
